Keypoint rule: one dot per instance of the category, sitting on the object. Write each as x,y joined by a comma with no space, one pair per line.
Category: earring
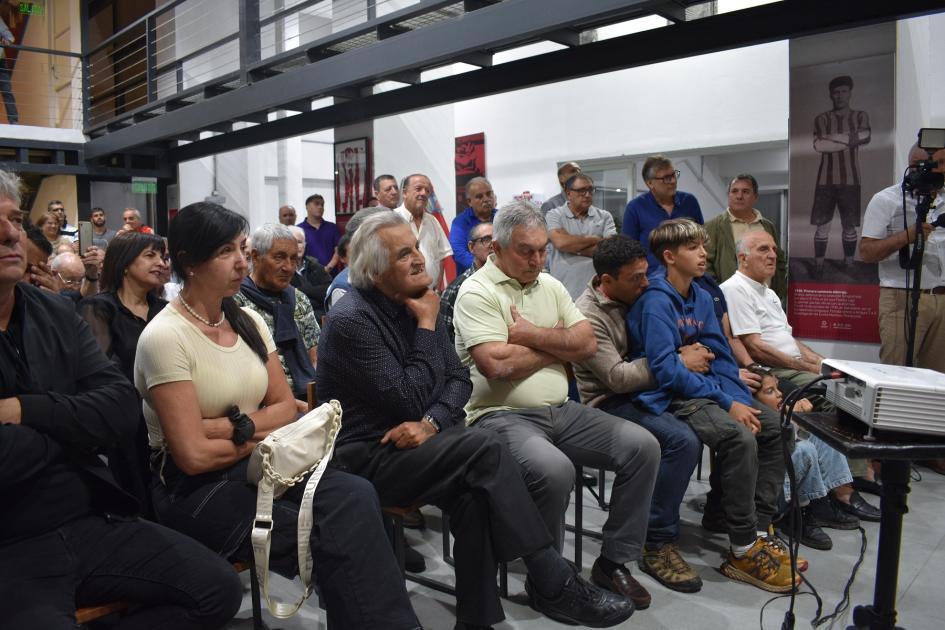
190,274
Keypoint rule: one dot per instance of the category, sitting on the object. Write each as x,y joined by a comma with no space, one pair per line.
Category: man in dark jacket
71,537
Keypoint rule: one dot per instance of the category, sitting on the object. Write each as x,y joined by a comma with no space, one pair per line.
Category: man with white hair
516,328
310,277
288,313
131,219
433,242
386,357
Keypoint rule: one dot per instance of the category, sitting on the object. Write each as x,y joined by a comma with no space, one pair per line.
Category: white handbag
279,462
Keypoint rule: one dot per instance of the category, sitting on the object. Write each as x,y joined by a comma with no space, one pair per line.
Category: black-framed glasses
669,179
485,240
583,191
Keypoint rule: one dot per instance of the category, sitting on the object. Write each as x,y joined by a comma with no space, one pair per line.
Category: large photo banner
841,154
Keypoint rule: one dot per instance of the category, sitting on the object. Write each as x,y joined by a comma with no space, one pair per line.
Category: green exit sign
32,8
144,188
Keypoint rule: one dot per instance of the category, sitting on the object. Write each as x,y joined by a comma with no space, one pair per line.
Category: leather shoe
823,512
581,603
811,535
465,626
865,485
859,508
620,581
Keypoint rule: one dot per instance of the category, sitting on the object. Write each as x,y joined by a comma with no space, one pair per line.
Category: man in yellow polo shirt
516,327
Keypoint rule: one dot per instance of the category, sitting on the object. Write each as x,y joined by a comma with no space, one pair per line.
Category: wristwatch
432,421
243,426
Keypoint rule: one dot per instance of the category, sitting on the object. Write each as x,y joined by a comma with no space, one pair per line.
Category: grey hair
267,233
296,230
61,260
368,258
10,184
743,246
518,213
476,230
135,210
478,179
654,163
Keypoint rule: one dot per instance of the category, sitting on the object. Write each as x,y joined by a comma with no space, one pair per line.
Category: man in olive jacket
726,229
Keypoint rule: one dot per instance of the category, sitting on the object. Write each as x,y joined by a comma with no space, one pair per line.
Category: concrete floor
722,604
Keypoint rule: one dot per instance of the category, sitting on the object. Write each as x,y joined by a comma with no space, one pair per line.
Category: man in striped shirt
837,136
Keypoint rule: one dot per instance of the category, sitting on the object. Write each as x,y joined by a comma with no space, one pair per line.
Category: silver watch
432,421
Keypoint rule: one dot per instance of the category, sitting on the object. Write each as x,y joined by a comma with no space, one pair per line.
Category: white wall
727,98
920,78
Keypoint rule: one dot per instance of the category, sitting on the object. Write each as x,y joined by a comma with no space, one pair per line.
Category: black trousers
473,476
174,581
357,575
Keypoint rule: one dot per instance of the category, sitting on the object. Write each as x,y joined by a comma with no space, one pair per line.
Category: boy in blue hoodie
674,312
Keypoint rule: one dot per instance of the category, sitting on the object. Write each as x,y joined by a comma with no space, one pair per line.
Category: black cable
794,506
761,617
844,602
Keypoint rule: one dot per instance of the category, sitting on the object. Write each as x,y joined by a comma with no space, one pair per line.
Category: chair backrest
311,395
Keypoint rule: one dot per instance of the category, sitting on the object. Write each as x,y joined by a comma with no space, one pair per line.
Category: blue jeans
680,453
818,468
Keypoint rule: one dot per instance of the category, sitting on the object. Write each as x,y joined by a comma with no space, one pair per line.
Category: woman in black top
132,273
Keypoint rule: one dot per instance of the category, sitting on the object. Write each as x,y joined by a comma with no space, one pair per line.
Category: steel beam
491,27
758,25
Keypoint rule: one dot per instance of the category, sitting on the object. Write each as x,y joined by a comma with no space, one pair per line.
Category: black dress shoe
620,581
413,561
465,626
823,512
859,508
810,535
865,485
581,603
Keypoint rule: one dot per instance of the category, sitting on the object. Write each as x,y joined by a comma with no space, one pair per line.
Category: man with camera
884,234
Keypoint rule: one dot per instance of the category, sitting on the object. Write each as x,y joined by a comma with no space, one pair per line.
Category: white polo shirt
753,308
883,218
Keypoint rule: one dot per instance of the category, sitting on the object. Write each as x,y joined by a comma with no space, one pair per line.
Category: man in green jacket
726,229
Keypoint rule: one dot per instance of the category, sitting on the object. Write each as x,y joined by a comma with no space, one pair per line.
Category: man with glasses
565,172
55,206
660,203
575,229
481,210
480,246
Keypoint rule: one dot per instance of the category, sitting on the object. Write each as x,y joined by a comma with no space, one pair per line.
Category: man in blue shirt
481,209
661,202
321,236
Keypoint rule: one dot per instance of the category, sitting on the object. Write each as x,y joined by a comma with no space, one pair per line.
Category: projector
889,397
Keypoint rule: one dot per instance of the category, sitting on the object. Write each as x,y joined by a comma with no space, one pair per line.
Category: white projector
889,397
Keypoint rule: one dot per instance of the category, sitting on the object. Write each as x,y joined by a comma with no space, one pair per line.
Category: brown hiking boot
760,567
666,566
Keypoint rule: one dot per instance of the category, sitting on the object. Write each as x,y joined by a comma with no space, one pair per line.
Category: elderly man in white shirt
757,317
434,245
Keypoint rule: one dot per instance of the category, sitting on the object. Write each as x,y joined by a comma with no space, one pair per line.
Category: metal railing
193,49
41,87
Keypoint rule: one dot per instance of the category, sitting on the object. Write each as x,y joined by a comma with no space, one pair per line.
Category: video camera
919,178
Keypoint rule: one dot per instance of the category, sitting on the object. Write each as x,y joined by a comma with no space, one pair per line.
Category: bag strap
262,536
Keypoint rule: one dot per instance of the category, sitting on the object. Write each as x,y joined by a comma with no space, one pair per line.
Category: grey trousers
750,467
548,441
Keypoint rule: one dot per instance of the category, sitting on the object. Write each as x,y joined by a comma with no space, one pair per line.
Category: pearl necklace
198,317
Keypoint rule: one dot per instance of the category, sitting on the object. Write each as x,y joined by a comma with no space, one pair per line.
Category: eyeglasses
485,240
583,191
67,282
668,179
